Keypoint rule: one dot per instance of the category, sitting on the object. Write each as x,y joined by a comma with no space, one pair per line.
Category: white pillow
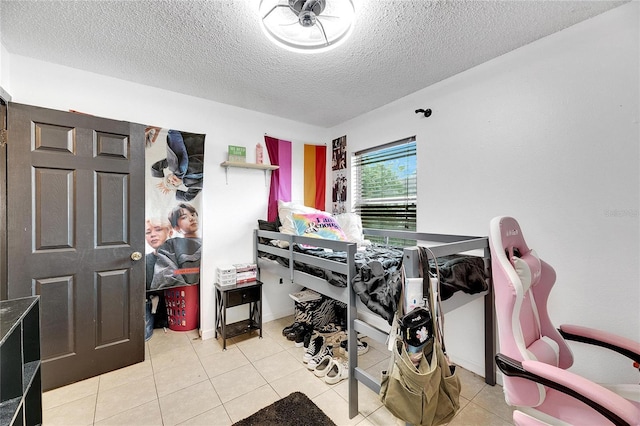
351,225
528,269
285,212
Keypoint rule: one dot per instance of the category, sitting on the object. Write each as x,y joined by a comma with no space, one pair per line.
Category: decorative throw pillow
317,225
286,209
351,225
264,225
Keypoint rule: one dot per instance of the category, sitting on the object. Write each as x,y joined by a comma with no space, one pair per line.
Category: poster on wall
174,163
339,193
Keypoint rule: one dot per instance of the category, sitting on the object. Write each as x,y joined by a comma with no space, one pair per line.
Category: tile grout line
222,404
208,379
95,405
477,397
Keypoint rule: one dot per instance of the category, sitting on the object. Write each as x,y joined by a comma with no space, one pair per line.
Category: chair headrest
507,233
509,247
528,268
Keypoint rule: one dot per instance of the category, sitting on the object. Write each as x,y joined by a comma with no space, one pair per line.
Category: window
385,186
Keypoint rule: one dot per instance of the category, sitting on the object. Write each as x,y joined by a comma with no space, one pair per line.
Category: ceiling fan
307,25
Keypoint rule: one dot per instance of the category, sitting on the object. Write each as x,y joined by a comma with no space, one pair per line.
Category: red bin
183,307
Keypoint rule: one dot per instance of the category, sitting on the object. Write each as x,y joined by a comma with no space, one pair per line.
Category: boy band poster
339,175
174,163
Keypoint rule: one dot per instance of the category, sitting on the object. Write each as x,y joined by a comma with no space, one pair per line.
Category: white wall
230,211
547,134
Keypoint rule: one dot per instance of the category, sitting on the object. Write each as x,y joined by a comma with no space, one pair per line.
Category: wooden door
75,194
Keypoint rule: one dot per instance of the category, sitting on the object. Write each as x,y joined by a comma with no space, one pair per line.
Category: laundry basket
183,307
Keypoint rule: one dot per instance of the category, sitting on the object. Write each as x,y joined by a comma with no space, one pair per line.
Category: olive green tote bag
430,393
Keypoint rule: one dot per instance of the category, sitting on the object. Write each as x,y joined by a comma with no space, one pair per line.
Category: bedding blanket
378,275
460,273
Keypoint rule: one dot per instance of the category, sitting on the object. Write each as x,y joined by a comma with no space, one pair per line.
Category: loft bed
284,260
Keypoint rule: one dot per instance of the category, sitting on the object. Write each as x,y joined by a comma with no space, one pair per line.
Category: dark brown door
75,193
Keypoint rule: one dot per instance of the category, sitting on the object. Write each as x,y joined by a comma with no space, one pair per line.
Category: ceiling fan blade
289,24
274,8
324,34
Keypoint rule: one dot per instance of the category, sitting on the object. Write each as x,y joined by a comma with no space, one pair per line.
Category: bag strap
435,302
403,282
394,333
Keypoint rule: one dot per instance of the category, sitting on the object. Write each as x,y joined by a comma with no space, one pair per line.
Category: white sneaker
315,345
325,351
363,347
323,366
338,371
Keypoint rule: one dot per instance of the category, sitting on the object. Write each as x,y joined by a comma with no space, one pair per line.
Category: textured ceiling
216,50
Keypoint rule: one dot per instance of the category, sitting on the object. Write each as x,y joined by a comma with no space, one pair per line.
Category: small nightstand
236,295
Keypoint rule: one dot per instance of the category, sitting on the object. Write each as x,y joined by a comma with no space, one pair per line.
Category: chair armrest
611,405
622,345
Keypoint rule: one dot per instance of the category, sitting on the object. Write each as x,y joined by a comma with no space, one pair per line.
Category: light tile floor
188,381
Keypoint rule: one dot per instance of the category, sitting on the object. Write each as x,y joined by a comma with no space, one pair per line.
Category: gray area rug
293,410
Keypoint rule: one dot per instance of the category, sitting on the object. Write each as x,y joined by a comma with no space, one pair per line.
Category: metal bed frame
440,245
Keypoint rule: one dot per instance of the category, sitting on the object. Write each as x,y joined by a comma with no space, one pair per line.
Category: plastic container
183,307
259,154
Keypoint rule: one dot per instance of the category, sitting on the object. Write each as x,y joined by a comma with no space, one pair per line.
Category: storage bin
183,307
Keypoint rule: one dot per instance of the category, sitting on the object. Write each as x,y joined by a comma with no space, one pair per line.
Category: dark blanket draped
378,278
460,273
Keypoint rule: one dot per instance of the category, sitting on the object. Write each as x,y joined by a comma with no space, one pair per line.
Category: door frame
4,286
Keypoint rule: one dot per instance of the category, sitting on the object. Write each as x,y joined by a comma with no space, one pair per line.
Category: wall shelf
263,167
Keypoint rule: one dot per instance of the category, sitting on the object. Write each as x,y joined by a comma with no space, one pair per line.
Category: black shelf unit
20,377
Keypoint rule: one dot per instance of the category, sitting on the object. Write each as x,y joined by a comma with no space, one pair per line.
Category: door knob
136,255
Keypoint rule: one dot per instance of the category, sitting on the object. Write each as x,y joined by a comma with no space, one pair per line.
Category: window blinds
385,185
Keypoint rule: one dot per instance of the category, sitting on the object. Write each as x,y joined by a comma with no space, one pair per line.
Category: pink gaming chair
534,356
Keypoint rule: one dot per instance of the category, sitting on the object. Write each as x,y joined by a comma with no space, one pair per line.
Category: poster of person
339,175
173,178
339,153
339,192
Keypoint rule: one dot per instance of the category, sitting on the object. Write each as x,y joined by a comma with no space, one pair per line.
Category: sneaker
291,327
363,347
338,371
333,337
323,366
303,336
329,329
315,345
326,351
296,332
307,338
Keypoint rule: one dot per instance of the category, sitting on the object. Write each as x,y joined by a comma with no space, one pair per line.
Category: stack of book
246,272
